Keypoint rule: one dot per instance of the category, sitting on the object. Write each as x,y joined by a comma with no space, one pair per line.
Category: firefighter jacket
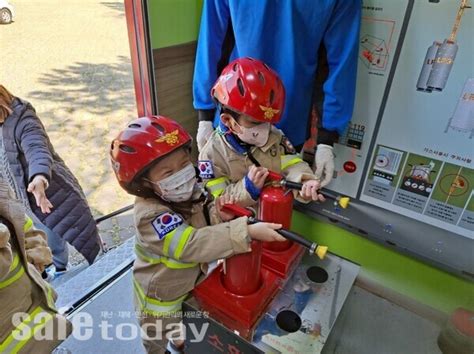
174,245
224,163
22,290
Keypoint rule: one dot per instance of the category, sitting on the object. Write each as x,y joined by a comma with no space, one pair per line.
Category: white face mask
180,186
257,136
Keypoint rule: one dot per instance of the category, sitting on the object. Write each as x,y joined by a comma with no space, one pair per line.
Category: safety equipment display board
409,146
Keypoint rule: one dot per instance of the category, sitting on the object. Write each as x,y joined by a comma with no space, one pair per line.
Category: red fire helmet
250,87
143,141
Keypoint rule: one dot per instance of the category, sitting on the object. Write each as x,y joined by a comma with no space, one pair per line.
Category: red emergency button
350,167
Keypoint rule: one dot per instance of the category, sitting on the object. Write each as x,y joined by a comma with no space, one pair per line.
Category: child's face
242,121
168,166
247,129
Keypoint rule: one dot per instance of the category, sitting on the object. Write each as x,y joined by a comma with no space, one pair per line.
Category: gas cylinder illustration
463,116
440,58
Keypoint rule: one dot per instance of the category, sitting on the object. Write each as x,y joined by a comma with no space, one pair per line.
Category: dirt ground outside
71,60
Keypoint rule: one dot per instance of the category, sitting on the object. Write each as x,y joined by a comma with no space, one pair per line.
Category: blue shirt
286,34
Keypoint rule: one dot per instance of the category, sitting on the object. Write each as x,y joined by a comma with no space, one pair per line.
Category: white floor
369,324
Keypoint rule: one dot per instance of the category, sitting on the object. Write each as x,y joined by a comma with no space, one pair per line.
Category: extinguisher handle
292,185
274,176
236,210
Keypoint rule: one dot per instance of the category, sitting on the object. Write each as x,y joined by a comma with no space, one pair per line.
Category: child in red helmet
238,155
174,244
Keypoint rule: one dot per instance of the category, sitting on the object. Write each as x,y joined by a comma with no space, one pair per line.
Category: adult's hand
204,132
324,161
38,186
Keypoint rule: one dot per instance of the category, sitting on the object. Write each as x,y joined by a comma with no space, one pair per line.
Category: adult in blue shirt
285,34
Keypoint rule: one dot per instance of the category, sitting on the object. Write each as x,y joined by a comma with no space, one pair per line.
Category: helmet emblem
226,77
170,138
269,111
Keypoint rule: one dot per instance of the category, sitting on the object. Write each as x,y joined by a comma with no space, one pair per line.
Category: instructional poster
421,165
379,35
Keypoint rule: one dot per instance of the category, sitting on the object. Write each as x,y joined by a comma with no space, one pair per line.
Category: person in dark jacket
49,191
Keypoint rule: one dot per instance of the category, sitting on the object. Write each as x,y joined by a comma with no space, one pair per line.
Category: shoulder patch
165,223
206,169
288,146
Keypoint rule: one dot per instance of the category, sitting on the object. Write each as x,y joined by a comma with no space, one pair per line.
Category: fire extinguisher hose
312,247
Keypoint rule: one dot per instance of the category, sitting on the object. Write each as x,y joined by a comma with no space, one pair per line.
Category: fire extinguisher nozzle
321,251
344,202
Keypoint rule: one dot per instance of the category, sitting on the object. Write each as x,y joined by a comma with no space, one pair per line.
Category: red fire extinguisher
242,271
276,205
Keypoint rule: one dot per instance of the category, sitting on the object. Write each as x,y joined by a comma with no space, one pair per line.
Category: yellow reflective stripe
215,181
218,192
28,224
168,239
13,279
174,264
182,242
175,241
217,186
156,307
50,297
16,272
146,257
13,345
155,259
289,160
16,260
16,332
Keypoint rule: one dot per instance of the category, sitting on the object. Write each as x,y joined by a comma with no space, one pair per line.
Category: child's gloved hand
220,201
38,186
265,231
257,175
310,191
37,250
4,235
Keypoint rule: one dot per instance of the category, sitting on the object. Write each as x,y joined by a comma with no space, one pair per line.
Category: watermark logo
107,328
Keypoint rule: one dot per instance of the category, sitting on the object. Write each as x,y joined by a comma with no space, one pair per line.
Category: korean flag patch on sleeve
165,223
206,170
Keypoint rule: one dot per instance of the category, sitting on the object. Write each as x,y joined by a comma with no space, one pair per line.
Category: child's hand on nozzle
220,202
257,175
310,191
265,232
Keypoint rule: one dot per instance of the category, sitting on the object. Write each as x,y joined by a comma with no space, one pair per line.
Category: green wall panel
173,22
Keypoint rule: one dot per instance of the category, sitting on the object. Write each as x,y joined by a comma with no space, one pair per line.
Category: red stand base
282,263
237,313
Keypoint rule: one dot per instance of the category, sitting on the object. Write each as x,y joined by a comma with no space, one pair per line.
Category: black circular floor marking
288,321
317,274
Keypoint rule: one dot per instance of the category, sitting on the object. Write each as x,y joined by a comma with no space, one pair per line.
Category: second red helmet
250,87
